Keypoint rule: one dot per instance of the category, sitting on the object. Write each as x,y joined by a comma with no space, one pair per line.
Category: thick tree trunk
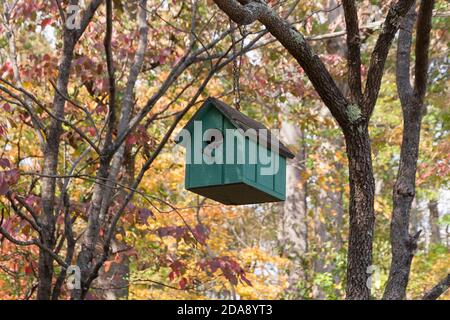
361,210
45,271
338,223
353,116
113,281
294,231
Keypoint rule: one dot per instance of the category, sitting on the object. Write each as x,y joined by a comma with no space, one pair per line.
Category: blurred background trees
171,244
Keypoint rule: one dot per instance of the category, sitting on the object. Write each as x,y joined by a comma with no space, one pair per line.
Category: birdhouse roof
241,121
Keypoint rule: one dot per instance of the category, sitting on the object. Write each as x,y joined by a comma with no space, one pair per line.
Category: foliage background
167,263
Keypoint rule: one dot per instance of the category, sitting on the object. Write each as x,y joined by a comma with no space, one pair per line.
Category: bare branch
111,73
9,237
61,11
87,18
68,234
25,103
33,224
12,52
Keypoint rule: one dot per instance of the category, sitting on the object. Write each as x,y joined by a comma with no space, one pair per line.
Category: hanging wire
237,64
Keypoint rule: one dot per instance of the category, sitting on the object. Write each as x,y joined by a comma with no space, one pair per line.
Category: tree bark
110,166
114,280
361,211
438,290
353,117
412,100
403,244
51,152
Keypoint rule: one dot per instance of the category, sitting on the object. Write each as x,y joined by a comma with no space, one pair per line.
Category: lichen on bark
354,113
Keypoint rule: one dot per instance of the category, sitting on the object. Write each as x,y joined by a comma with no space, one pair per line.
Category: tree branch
87,18
51,151
379,55
111,72
438,290
424,22
9,237
403,244
33,223
404,45
242,14
297,46
354,50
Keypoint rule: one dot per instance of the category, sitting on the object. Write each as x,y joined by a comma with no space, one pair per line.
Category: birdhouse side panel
272,184
280,177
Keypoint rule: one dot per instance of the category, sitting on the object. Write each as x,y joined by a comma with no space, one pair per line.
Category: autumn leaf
46,22
183,283
107,266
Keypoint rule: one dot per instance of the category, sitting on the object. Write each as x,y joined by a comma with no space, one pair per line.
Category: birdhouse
232,158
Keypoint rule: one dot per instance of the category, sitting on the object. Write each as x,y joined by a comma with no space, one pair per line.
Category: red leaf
183,283
7,179
46,22
201,233
7,107
92,131
28,269
6,69
132,139
2,129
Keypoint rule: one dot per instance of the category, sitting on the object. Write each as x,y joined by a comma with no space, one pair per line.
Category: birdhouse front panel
203,174
239,173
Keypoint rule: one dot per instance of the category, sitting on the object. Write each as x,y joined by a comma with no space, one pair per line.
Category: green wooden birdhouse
232,158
